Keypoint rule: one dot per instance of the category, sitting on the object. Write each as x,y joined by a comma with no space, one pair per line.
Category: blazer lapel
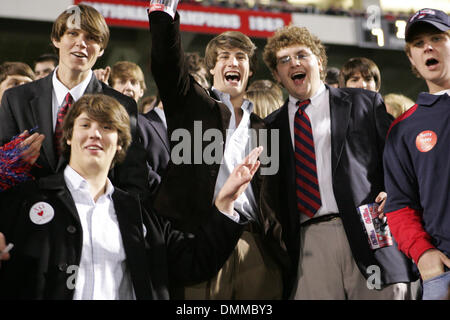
128,213
340,108
157,124
94,86
56,182
41,108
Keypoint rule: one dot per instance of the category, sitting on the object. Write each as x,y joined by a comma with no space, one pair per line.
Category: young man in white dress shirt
230,59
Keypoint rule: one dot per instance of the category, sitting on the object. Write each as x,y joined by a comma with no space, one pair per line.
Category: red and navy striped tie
308,194
67,103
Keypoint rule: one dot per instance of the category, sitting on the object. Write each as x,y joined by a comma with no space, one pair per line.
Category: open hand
3,256
238,181
34,143
103,74
431,263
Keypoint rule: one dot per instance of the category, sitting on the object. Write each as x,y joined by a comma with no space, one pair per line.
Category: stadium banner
193,18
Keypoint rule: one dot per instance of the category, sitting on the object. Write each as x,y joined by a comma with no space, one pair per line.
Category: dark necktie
308,194
67,103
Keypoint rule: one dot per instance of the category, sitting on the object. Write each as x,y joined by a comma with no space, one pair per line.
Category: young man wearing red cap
417,166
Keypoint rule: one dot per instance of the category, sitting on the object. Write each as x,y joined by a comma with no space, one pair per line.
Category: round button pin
41,213
426,140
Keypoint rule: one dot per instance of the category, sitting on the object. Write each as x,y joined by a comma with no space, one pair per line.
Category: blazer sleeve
183,98
195,257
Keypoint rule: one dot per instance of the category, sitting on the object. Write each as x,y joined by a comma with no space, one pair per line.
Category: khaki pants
248,274
328,271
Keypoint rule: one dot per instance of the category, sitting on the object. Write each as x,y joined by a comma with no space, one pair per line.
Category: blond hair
398,103
266,97
125,70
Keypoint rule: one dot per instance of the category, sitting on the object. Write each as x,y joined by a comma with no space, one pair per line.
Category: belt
319,219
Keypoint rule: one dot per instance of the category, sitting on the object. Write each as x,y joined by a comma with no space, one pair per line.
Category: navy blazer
156,141
42,254
28,106
359,123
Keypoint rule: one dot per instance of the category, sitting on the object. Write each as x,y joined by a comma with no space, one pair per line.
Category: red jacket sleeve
407,229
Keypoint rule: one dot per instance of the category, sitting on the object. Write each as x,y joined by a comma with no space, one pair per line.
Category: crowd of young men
247,232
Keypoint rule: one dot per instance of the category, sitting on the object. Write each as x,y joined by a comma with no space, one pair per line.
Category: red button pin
426,140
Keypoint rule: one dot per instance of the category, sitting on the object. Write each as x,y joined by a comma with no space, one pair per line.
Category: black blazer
187,190
156,141
186,193
30,105
359,123
38,268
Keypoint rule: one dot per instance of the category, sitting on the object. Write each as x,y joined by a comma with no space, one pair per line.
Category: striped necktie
67,103
308,194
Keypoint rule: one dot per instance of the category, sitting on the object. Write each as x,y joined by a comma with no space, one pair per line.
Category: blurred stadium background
348,28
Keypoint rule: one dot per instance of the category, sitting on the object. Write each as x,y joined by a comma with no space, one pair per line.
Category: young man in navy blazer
320,186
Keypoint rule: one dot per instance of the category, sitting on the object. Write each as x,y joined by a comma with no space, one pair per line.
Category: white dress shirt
237,147
319,115
60,91
102,273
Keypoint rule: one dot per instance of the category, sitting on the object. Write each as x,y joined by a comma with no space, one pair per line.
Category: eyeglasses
297,57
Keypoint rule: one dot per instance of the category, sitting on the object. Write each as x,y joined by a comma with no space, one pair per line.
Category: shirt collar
75,182
427,99
61,90
447,91
247,105
314,99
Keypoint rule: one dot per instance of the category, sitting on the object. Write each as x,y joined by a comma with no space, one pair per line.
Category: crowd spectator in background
127,78
331,146
266,97
14,74
416,157
332,77
45,64
197,68
361,73
396,104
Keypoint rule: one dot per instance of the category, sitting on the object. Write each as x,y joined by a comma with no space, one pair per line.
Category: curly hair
292,36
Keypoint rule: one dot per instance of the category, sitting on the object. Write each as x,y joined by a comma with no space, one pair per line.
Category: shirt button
71,229
62,267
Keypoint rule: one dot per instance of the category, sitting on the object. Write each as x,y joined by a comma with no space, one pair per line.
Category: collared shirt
60,91
237,147
319,114
102,273
161,115
447,91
